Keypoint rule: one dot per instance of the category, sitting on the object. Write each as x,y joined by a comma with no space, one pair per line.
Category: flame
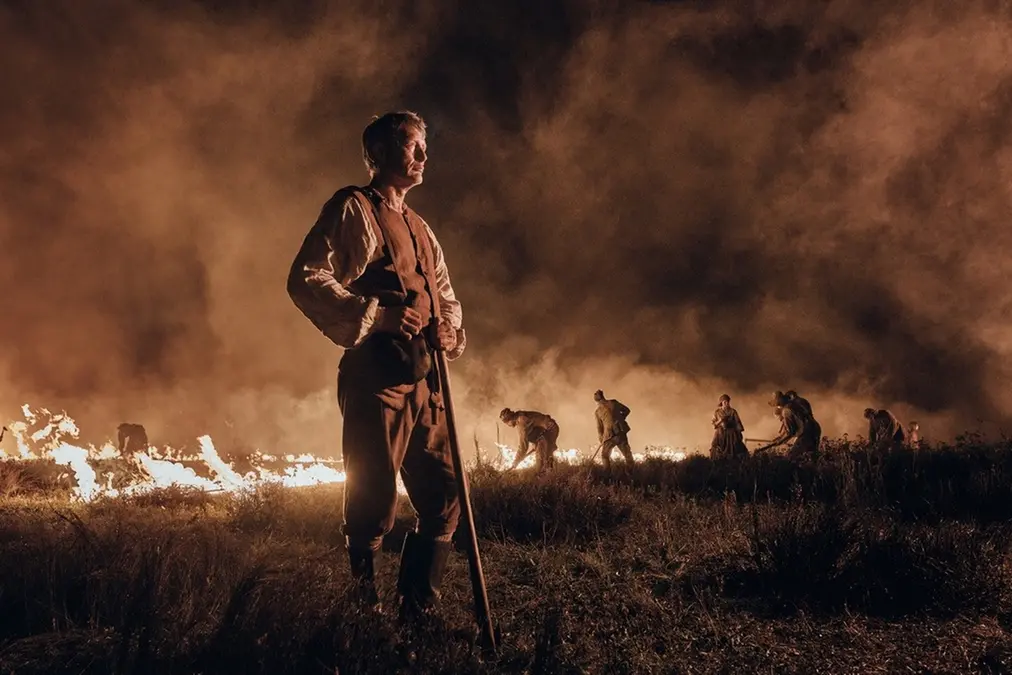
576,455
47,435
660,452
77,459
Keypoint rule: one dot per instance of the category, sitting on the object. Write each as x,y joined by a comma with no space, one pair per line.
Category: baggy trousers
545,447
807,444
386,431
620,441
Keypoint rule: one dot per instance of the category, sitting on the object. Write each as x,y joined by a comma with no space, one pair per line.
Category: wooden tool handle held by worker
481,608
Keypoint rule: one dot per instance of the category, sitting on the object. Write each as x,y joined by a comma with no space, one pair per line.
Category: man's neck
391,194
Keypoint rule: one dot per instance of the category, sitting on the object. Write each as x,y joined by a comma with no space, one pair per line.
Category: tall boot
364,574
423,564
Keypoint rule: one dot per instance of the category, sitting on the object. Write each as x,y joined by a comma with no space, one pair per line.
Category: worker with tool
371,276
612,428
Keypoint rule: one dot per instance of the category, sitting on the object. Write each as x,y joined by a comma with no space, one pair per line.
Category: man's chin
405,181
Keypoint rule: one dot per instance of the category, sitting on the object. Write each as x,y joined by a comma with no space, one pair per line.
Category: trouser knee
439,531
368,519
362,542
439,526
627,452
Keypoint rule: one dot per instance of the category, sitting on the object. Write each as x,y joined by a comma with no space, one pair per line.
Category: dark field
852,564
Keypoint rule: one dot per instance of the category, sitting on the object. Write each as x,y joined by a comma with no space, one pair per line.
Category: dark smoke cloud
669,201
788,197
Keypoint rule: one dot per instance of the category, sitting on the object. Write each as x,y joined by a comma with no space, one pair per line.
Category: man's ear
379,154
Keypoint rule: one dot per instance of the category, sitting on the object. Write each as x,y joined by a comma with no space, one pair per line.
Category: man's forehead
413,133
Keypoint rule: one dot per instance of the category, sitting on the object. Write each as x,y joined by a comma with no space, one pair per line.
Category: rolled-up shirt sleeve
336,251
449,306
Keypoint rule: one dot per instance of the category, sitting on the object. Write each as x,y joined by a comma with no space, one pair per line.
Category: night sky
668,200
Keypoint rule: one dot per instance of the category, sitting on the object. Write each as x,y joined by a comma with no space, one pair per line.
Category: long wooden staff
482,613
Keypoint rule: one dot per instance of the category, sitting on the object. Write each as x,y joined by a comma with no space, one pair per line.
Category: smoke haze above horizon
669,201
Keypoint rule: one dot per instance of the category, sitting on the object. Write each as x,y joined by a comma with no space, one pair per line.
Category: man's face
404,163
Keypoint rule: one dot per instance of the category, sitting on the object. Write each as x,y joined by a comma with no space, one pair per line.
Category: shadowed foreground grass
852,564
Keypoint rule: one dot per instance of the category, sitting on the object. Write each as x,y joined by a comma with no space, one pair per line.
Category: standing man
612,429
533,428
372,278
884,430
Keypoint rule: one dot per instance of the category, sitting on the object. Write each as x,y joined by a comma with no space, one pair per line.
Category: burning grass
847,565
46,442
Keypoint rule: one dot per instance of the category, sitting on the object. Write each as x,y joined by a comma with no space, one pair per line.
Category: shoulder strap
369,206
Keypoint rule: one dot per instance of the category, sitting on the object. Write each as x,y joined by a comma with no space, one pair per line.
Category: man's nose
420,155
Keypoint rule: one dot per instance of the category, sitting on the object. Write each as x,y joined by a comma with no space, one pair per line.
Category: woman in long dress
727,432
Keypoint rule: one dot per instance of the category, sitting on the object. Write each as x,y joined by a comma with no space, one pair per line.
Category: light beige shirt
334,254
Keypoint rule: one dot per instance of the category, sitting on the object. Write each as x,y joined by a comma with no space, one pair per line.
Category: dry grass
852,564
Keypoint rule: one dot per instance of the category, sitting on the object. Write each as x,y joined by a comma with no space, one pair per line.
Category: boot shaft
362,564
363,573
423,564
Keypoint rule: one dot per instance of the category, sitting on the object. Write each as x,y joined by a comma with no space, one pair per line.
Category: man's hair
383,131
724,397
598,395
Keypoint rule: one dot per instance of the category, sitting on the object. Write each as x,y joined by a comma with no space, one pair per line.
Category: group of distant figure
800,433
799,437
539,433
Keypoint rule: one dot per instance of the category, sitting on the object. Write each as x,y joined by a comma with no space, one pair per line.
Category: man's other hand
403,321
